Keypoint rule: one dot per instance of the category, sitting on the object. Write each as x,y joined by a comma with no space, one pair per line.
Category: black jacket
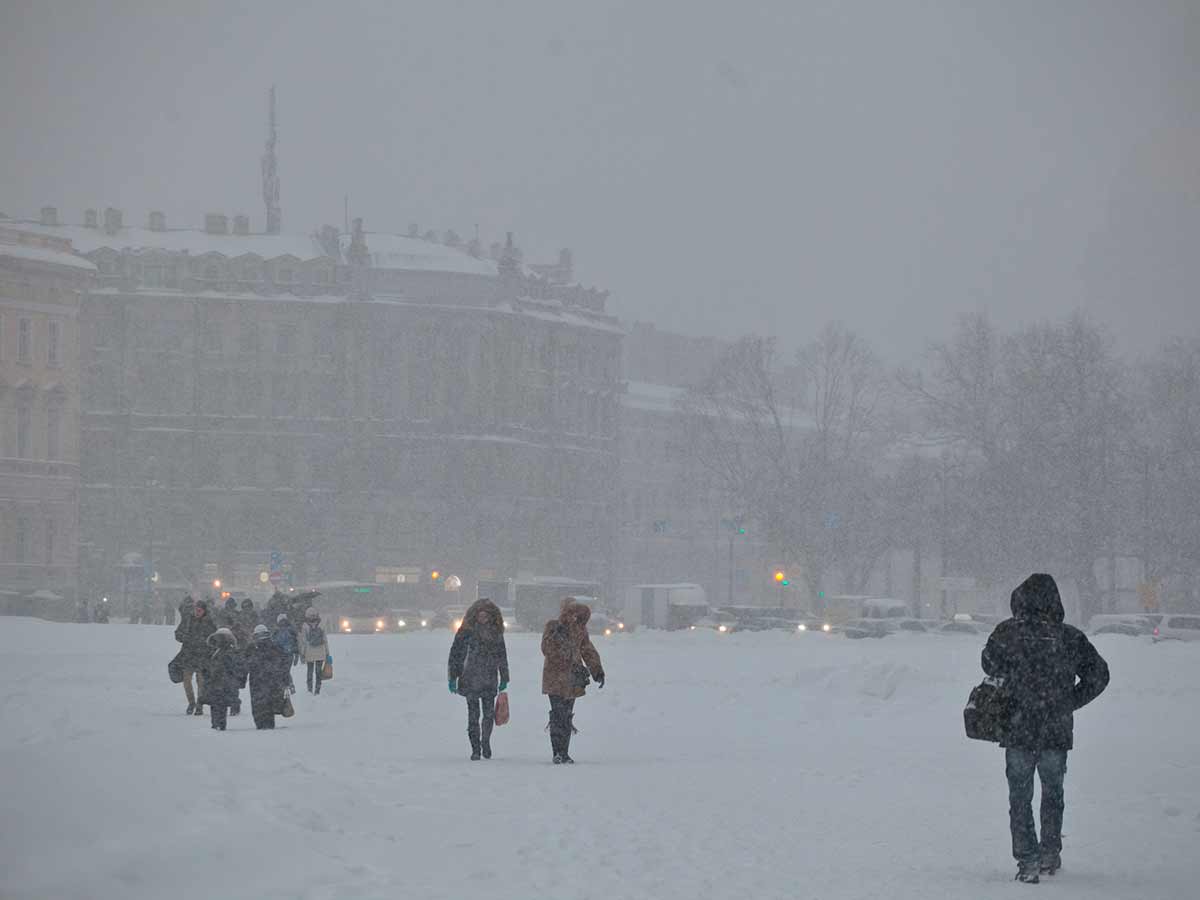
479,662
1040,659
194,633
267,667
224,675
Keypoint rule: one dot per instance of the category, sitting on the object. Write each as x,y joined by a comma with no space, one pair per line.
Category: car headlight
620,626
400,623
345,625
802,627
457,624
379,625
608,632
722,629
424,623
692,628
826,627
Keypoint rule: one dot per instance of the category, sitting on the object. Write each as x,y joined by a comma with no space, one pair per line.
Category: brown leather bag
502,709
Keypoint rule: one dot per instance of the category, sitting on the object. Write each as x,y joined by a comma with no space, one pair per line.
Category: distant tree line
1003,452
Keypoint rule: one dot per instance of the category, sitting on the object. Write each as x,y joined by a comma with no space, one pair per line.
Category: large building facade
42,284
363,405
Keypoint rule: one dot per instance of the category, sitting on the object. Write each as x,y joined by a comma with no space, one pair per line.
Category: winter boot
486,747
191,709
1050,864
558,760
199,711
1027,873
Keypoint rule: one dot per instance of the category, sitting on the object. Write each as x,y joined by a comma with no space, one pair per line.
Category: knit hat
311,614
261,632
282,619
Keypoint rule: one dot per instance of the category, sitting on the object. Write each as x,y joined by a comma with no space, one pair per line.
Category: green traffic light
785,582
741,531
820,593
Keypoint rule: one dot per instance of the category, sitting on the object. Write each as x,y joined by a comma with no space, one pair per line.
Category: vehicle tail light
1156,631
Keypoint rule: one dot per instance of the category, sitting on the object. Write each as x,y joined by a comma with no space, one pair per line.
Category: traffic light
435,575
780,578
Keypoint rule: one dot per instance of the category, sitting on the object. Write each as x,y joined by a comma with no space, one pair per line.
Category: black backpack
986,714
316,635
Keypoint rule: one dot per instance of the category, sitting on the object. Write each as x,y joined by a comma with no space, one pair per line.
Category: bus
536,599
362,607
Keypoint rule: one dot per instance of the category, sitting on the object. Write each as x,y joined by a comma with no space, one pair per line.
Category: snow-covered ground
748,766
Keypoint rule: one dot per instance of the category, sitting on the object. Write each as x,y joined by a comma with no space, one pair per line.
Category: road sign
275,577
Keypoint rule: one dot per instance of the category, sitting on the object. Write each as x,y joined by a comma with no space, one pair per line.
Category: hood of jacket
1037,598
574,612
483,604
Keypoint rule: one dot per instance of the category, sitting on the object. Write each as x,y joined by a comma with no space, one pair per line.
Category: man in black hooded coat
1050,669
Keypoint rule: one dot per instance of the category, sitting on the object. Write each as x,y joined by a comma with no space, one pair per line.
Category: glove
503,686
600,680
453,685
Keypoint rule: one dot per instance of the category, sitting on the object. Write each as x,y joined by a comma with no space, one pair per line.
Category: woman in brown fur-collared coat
570,660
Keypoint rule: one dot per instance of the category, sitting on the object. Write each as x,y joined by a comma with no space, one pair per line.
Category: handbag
175,669
580,676
287,710
987,711
502,709
327,669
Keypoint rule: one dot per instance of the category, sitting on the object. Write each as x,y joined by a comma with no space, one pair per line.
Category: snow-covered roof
394,251
556,312
195,241
46,255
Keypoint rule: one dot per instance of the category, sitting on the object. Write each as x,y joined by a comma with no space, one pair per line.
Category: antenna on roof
270,175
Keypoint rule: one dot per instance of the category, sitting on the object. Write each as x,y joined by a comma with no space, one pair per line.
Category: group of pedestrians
478,671
226,651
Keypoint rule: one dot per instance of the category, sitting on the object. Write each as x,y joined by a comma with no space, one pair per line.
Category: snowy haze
721,167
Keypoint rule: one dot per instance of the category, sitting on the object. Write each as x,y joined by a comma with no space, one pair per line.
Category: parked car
921,626
959,626
1121,623
1178,628
868,628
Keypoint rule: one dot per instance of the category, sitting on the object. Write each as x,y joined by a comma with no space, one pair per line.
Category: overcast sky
721,167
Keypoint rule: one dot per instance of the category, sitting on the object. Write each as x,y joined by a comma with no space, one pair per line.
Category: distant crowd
227,649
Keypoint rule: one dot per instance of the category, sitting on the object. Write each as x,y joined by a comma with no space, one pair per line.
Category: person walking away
478,670
224,676
267,667
193,633
569,659
314,647
285,638
1050,669
244,622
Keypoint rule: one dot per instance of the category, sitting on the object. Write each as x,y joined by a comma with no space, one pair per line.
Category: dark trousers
319,668
1051,766
480,705
219,712
264,720
562,711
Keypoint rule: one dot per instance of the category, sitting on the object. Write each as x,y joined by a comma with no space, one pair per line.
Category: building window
51,534
285,339
52,343
24,340
22,543
53,433
22,432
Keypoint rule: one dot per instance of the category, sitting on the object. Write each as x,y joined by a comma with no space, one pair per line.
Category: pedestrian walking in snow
224,676
570,661
193,632
314,647
478,670
267,667
1049,670
244,622
286,639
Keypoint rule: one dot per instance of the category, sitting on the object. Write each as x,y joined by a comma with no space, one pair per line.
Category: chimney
241,225
112,220
414,230
90,219
49,215
216,223
158,221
